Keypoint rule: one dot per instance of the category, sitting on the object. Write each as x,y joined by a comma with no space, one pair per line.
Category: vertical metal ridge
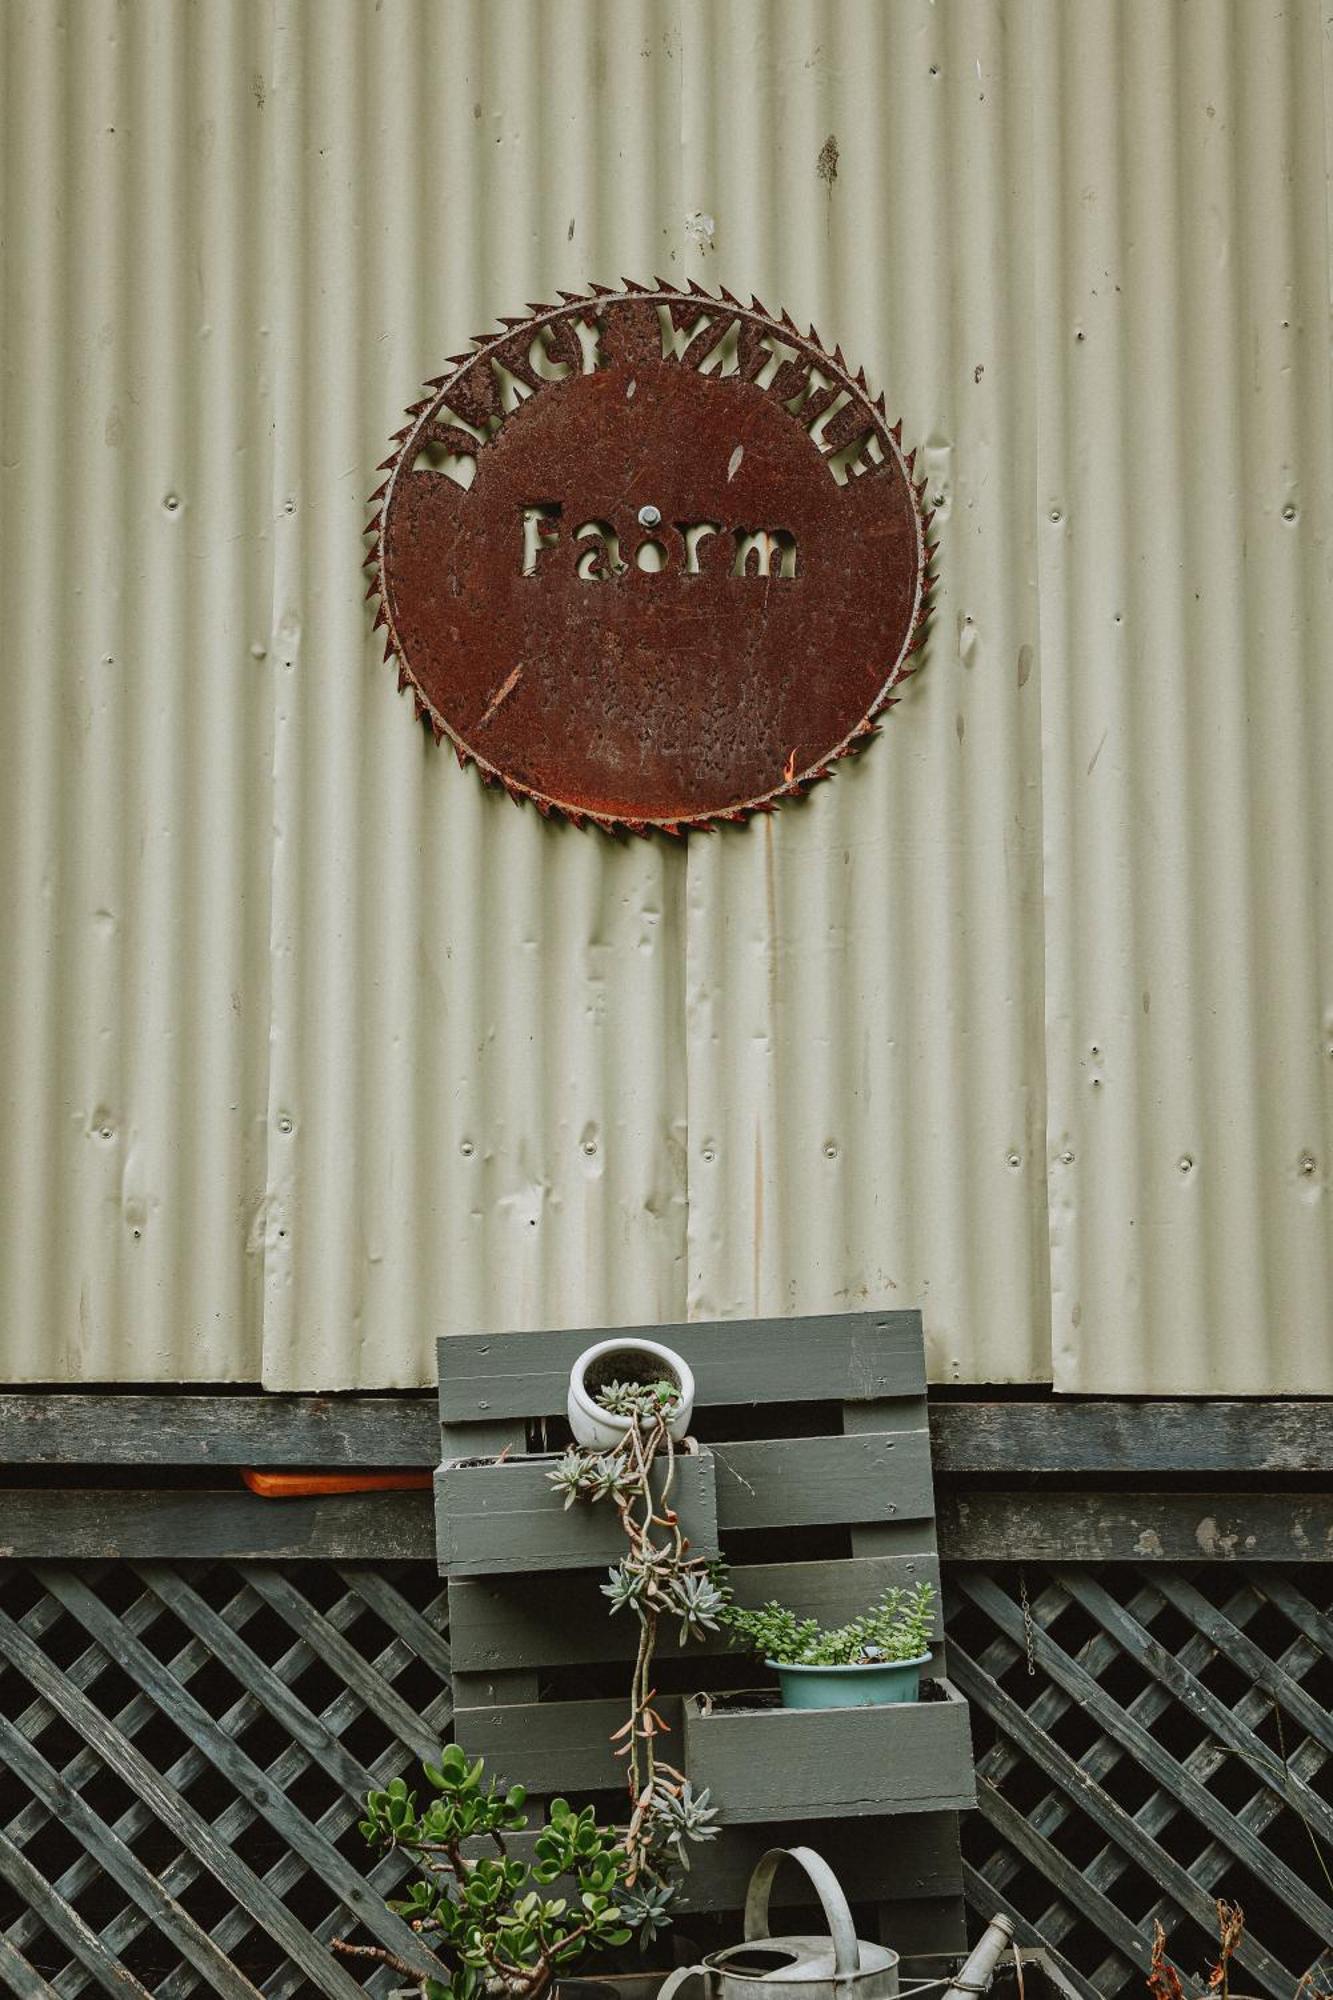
865,1018
475,1048
128,1140
1185,420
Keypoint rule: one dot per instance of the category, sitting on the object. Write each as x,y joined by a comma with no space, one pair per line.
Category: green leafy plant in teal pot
873,1660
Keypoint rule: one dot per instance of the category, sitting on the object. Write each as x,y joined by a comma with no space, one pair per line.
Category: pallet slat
506,1518
564,1621
777,1765
554,1746
835,1357
908,1860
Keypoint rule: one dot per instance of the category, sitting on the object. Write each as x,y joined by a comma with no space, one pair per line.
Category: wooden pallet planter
777,1765
527,1614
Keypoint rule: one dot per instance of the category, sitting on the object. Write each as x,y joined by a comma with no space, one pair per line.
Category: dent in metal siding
315,1049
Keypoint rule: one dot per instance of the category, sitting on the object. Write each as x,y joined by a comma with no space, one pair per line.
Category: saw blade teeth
790,323
632,285
461,754
910,463
380,618
896,433
539,312
879,404
436,727
522,320
402,678
838,360
861,382
461,360
437,381
388,649
663,285
757,306
730,298
602,291
414,410
574,298
698,291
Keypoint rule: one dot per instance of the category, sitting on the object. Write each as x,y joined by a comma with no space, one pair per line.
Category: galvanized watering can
835,1967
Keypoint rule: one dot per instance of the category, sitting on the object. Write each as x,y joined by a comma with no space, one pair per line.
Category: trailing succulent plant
486,1917
896,1627
645,1400
656,1578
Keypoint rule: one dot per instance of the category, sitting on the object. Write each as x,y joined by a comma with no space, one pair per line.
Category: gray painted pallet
526,1611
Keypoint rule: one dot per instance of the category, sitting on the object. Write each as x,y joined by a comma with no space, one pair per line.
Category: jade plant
656,1578
487,1917
896,1627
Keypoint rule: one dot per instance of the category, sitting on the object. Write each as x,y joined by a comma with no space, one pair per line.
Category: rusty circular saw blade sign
651,558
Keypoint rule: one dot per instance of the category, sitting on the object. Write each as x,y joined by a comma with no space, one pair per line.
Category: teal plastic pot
873,1686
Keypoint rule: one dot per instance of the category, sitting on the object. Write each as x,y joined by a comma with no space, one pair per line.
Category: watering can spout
979,1970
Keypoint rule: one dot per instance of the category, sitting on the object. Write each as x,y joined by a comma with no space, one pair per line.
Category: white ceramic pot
627,1359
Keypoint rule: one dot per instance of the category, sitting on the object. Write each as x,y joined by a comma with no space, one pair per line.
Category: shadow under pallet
822,1515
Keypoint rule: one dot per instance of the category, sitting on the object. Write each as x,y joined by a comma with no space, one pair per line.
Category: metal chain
1027,1620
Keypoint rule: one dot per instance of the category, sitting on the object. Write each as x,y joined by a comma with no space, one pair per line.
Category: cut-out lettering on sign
651,559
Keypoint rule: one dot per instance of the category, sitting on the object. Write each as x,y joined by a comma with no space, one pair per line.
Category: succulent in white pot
615,1382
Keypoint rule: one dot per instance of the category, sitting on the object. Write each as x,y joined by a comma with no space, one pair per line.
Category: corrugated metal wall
312,1049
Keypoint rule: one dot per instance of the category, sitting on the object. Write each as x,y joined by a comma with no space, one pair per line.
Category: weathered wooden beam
1041,1526
1062,1528
331,1432
781,1764
1132,1435
144,1525
835,1357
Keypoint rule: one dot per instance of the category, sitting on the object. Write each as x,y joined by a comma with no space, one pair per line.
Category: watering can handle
846,1951
675,1980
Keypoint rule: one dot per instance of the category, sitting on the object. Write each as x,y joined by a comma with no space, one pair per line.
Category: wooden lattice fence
197,1686
1151,1738
186,1747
